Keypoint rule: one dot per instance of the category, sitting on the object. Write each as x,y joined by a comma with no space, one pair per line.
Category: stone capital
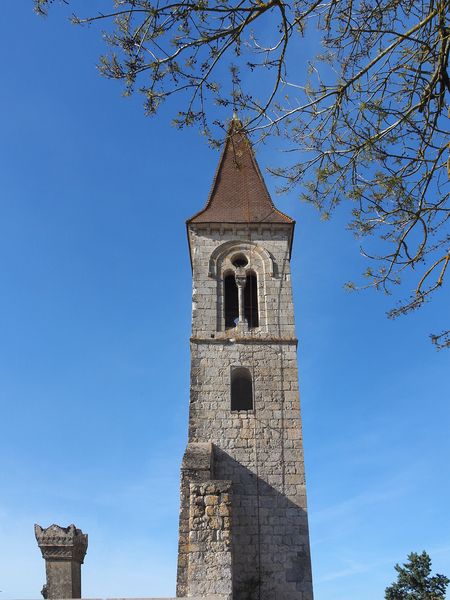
241,277
61,543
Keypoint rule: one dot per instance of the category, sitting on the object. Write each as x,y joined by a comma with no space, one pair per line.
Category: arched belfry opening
251,300
231,301
241,389
240,293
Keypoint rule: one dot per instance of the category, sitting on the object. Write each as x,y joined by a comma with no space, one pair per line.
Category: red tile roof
238,193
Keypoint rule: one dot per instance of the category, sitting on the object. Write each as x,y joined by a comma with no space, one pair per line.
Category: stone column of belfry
240,282
63,549
244,399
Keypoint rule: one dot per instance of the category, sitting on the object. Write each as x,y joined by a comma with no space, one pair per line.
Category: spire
238,193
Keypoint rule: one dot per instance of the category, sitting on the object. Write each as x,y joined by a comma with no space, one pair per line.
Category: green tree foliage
414,581
367,120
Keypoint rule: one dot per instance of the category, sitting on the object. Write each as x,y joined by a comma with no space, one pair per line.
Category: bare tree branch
366,121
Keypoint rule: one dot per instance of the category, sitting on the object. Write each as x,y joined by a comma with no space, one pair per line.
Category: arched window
251,301
231,301
241,389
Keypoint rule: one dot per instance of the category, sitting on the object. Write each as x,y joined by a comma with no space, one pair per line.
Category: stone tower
243,521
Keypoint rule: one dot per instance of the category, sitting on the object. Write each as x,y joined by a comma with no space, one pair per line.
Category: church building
243,531
243,520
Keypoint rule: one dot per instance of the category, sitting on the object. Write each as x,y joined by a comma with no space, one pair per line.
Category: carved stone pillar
241,279
63,549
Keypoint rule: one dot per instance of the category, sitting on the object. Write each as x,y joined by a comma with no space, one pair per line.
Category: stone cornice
237,339
61,543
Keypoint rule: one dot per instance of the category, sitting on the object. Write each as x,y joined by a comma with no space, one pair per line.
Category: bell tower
243,520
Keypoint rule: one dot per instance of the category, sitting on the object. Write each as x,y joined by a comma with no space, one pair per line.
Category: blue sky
94,363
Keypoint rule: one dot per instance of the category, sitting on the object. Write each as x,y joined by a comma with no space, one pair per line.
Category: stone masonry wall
260,451
197,466
210,561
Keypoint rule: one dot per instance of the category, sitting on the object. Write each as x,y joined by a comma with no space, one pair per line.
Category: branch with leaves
366,121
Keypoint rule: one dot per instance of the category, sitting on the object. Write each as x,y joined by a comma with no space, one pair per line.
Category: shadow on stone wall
270,543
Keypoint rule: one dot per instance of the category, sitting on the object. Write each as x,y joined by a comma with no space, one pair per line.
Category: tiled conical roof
238,193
